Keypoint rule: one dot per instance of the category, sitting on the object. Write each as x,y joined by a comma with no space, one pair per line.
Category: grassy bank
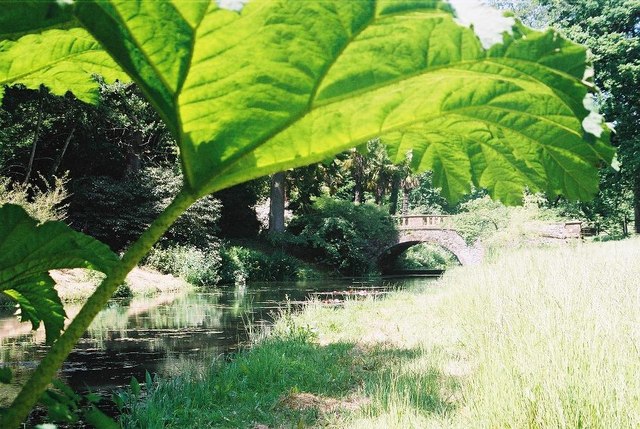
78,284
534,339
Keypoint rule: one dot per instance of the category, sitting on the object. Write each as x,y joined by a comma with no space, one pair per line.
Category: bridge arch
416,229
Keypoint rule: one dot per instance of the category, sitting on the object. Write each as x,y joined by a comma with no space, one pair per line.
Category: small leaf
66,391
118,401
135,386
93,398
28,251
6,375
148,380
58,407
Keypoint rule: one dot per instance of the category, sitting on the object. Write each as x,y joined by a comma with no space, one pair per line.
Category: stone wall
449,239
561,230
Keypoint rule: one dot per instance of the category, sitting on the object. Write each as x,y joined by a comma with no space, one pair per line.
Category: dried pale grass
325,405
78,284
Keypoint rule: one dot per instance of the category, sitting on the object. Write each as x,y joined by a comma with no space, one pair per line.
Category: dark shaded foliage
345,236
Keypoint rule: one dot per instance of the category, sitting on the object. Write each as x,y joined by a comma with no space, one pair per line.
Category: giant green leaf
288,82
63,60
52,53
28,16
28,251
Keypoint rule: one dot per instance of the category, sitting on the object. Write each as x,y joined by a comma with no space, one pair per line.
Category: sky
488,22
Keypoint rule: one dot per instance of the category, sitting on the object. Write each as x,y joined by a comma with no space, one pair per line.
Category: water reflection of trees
163,334
146,318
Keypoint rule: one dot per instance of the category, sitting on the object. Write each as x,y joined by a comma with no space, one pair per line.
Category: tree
344,235
304,184
531,12
425,198
276,202
611,30
34,127
288,83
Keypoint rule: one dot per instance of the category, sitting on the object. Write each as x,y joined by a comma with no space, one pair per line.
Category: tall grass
250,389
46,202
545,338
551,337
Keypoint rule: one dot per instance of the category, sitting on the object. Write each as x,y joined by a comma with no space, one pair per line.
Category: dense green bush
117,211
426,256
481,218
240,265
498,226
123,292
196,266
345,236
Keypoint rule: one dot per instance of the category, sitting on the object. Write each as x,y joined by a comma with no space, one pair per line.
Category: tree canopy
611,31
244,93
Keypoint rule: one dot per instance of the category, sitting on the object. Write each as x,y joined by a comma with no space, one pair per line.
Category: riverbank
536,338
78,284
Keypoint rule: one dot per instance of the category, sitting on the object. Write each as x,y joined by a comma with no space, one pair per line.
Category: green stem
40,379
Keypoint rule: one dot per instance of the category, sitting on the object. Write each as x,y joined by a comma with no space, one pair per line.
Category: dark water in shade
159,334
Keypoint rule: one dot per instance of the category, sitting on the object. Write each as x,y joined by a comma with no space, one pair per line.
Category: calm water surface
159,334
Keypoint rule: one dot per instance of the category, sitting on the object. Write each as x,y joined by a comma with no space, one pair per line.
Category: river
160,334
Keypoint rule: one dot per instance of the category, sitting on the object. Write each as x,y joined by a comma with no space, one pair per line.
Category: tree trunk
357,193
358,177
381,187
405,201
58,161
132,160
276,203
636,204
395,191
36,136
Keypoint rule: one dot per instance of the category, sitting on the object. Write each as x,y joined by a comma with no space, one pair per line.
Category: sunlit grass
545,338
538,338
551,337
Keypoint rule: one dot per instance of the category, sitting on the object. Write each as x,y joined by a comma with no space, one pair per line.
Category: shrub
196,266
124,291
426,256
480,218
43,203
498,226
240,265
118,211
345,236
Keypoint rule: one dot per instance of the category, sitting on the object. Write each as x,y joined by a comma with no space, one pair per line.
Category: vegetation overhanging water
162,334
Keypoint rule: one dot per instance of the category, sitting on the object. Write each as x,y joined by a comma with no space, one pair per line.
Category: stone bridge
416,229
436,229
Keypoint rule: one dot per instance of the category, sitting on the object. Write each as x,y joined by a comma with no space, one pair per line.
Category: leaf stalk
46,370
